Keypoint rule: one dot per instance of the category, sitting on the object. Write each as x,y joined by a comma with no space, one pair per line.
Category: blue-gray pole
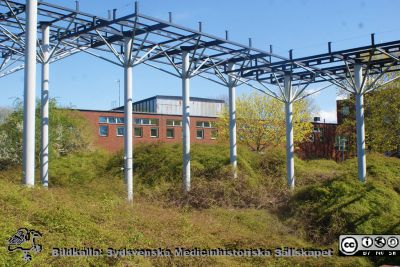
44,119
289,131
28,154
232,120
361,157
128,134
186,121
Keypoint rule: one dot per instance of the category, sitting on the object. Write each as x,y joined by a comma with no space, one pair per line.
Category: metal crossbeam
73,31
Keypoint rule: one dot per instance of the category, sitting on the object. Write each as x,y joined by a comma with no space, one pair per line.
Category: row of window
138,132
111,120
147,121
120,120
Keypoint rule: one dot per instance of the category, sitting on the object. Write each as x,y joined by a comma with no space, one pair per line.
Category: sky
306,26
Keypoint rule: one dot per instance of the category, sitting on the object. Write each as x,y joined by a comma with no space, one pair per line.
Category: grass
86,207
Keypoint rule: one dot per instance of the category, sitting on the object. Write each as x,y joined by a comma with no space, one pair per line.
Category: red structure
322,142
152,126
147,128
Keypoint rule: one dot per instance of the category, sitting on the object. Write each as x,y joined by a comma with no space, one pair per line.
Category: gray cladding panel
197,108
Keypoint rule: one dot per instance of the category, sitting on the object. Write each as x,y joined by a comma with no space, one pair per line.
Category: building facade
322,142
159,119
156,119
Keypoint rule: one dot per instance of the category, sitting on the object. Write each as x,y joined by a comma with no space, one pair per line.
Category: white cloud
328,115
342,97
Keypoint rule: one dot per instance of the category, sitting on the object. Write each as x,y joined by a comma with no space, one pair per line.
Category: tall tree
382,120
261,121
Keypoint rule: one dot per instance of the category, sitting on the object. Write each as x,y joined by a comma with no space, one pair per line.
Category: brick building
159,119
322,142
156,119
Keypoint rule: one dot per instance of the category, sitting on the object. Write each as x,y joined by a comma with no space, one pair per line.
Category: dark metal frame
160,44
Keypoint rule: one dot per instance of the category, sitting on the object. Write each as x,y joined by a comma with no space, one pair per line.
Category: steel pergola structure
181,52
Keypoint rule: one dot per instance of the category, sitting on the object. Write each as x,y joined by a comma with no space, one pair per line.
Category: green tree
261,121
382,120
68,132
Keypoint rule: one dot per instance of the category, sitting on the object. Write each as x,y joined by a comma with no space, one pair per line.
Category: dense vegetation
69,132
86,207
260,121
382,120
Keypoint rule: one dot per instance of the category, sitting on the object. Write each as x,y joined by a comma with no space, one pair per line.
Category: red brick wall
113,143
318,148
322,145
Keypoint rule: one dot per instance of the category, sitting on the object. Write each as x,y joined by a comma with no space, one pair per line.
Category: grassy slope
91,210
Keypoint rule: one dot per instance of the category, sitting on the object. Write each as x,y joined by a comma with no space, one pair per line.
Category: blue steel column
289,132
128,133
186,121
28,154
232,121
361,157
44,118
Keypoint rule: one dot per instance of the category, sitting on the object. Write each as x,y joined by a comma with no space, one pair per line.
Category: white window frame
154,128
214,137
123,130
100,130
103,121
141,132
202,133
173,133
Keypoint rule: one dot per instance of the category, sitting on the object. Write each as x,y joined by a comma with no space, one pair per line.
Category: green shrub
273,162
77,168
69,132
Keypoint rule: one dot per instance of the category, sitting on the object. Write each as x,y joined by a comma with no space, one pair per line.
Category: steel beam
186,120
28,167
289,131
44,118
232,120
361,157
128,134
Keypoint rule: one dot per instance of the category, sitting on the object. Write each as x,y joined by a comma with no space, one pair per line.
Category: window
204,124
120,131
174,123
112,120
170,133
154,132
214,134
103,120
345,111
138,132
146,121
103,130
200,134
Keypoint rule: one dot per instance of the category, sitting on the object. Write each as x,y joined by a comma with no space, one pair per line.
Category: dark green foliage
273,163
68,133
342,205
382,120
86,206
78,169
